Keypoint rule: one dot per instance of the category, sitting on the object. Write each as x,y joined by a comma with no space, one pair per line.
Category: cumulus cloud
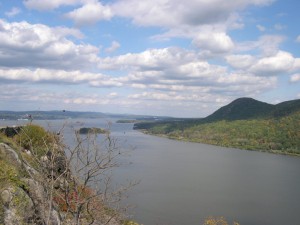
171,13
279,26
179,71
47,75
90,13
152,59
215,42
114,46
193,19
240,61
298,39
267,44
281,62
295,78
36,45
44,5
261,28
13,12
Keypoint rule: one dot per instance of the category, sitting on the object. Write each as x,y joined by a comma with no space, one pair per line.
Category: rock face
18,207
37,186
23,200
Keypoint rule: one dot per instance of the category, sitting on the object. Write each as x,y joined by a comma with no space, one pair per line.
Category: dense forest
244,123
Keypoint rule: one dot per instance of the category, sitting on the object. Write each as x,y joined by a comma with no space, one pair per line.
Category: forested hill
249,108
244,123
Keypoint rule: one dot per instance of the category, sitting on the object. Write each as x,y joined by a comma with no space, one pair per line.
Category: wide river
183,183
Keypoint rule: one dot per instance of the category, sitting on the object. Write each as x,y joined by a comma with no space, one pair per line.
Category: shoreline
276,152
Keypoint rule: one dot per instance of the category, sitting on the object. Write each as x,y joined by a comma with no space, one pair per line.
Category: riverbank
181,138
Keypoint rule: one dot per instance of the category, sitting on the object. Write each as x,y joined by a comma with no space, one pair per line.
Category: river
183,183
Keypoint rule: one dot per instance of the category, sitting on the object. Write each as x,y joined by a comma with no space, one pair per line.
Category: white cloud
260,28
152,59
114,46
295,78
215,42
179,71
41,98
298,39
44,5
193,19
13,12
279,26
240,61
37,45
281,62
172,13
268,44
46,75
90,13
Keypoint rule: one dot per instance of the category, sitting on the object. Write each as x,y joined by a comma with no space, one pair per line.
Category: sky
151,57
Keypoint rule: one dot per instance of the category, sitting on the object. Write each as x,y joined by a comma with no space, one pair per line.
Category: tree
77,180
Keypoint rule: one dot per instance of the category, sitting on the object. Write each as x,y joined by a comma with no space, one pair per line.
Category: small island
126,121
94,130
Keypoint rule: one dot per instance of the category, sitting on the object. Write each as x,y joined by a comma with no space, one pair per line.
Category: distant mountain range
239,109
64,114
249,108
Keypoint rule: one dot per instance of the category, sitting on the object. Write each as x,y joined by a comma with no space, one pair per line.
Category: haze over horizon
151,57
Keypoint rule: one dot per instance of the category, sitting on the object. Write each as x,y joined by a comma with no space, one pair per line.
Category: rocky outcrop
37,185
24,200
10,131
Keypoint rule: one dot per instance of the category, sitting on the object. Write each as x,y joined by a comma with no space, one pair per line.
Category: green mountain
286,108
242,108
249,108
244,123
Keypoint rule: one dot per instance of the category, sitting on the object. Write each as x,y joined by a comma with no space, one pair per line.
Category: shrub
35,139
217,221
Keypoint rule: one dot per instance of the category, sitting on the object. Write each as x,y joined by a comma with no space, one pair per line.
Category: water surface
183,183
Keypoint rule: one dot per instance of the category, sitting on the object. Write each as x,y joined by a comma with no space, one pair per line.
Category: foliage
278,135
73,197
93,130
126,121
36,139
248,108
7,140
76,180
130,222
242,108
217,221
10,174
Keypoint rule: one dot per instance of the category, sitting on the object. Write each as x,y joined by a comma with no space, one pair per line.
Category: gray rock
6,197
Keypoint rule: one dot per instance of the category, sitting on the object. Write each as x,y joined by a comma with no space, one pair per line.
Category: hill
242,108
249,108
245,123
286,108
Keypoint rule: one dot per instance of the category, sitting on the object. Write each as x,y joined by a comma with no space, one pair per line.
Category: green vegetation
35,139
217,221
264,127
248,108
242,108
93,130
126,121
42,180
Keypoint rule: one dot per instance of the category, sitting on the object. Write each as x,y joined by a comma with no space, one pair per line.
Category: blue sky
155,57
